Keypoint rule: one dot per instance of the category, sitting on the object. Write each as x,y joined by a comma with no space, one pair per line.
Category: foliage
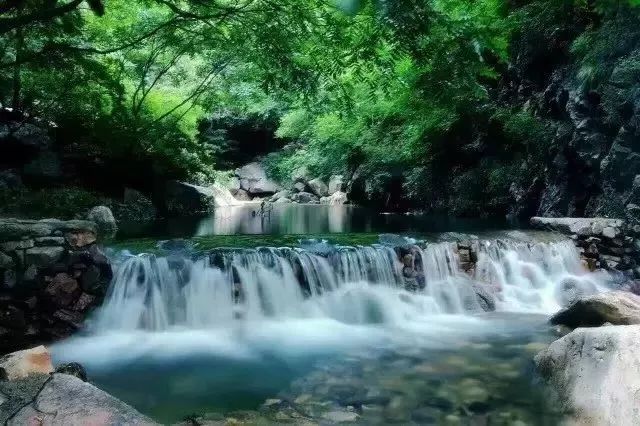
401,91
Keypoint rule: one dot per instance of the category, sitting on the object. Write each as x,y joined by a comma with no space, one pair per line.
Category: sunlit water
178,336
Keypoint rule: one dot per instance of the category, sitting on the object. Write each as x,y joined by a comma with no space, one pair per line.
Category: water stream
182,334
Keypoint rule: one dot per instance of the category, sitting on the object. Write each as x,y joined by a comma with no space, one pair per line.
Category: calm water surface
277,219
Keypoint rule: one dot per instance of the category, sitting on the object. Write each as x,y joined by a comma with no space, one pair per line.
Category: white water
237,304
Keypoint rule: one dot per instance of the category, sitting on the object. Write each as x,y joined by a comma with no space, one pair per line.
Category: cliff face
583,81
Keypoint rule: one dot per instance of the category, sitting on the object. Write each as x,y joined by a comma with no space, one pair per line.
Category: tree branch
9,24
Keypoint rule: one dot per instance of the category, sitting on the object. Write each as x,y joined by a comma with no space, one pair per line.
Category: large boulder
187,199
615,307
21,364
62,399
318,187
104,220
253,179
596,374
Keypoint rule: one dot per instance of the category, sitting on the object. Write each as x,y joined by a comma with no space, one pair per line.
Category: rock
283,201
280,194
595,372
62,291
341,416
80,239
73,369
336,184
253,179
67,400
184,198
305,198
17,245
21,364
84,302
610,232
6,262
43,256
615,307
300,186
104,220
578,226
242,195
49,241
318,187
233,185
19,229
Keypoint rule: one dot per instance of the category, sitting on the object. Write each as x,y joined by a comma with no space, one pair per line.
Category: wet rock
595,373
104,220
337,198
616,307
283,201
21,364
73,369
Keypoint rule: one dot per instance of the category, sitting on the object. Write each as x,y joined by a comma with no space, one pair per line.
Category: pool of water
440,370
279,219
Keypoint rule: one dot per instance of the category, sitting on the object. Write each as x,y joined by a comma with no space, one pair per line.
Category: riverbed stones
616,307
596,373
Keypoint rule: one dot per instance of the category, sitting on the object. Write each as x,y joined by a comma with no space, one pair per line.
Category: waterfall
356,285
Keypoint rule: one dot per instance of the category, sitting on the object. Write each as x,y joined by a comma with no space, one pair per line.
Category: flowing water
330,333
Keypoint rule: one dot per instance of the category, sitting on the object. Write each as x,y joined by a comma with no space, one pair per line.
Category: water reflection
278,219
282,219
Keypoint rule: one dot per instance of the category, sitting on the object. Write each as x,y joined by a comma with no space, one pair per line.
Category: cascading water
360,285
179,334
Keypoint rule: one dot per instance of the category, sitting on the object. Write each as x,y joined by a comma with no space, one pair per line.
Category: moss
147,245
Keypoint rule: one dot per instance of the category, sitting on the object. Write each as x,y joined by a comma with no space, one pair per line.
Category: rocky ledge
595,369
52,273
33,393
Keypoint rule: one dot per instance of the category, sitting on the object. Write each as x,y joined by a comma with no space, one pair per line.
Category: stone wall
610,244
52,273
